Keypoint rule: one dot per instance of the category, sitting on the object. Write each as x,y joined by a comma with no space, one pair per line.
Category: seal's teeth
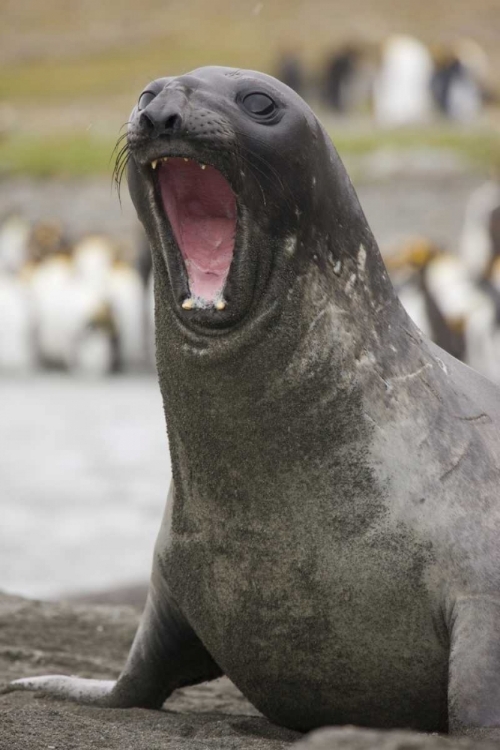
220,305
185,158
154,163
203,166
165,158
188,304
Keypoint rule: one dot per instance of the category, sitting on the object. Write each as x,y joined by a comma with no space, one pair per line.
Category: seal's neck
293,396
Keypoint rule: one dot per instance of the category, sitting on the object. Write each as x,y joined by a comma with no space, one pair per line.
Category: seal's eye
260,105
145,98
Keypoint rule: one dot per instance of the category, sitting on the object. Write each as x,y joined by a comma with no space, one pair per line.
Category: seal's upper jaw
201,209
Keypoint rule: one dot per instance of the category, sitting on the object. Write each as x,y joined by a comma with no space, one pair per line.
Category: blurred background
410,94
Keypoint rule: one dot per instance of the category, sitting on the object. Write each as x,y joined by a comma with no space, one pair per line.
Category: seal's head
212,177
241,193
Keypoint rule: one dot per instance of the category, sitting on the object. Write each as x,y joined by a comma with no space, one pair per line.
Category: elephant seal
330,540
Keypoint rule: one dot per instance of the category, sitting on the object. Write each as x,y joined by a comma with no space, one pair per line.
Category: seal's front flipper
474,668
166,654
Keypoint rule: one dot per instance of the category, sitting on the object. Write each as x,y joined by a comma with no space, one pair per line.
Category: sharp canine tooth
154,163
220,305
185,159
188,304
203,166
165,158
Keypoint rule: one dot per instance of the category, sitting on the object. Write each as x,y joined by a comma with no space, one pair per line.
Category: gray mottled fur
332,536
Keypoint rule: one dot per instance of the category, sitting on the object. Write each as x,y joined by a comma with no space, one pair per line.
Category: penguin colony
79,308
83,309
455,298
402,81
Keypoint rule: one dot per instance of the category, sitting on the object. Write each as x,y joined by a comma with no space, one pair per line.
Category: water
84,472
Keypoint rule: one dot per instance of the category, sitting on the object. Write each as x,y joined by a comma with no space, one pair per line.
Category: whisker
118,143
121,162
119,178
285,188
272,173
123,150
118,163
125,124
251,169
121,138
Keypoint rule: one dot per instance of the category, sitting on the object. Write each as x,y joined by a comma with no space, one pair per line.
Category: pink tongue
201,208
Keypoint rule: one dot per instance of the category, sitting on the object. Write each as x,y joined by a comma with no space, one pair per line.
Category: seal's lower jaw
201,209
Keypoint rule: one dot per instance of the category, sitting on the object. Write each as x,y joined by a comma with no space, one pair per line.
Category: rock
93,641
354,738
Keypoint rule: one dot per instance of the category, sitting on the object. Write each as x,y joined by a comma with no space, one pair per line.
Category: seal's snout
161,121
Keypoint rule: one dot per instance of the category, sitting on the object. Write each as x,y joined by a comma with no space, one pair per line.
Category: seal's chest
251,593
346,618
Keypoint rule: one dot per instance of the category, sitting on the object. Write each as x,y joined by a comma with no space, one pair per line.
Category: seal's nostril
173,123
147,123
155,122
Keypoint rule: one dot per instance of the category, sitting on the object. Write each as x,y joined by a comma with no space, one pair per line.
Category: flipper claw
96,692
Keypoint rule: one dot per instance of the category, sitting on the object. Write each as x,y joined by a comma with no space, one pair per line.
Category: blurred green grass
126,70
113,49
478,147
86,154
67,155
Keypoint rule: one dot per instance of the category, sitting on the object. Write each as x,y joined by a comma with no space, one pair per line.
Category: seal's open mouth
202,224
201,209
